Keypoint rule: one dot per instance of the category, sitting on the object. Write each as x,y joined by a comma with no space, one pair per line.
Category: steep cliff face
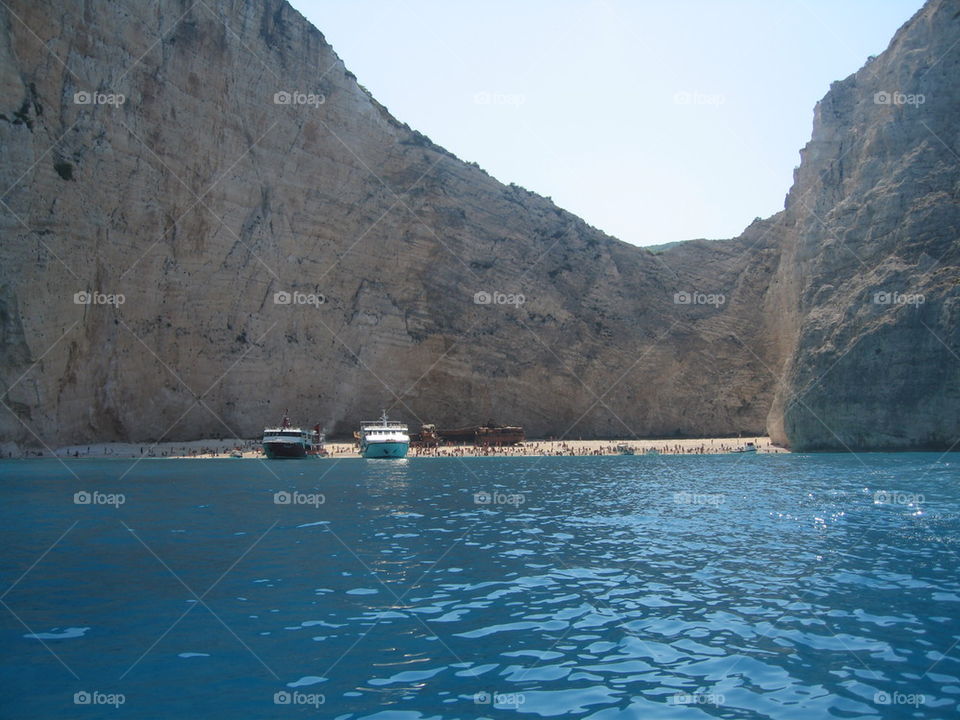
280,240
868,275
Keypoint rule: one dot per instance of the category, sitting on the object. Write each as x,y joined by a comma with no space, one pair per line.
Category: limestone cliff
867,281
280,240
245,161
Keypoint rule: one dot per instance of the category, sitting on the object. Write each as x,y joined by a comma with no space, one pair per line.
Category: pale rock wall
199,198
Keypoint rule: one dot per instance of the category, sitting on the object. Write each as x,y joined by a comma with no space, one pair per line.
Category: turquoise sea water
792,586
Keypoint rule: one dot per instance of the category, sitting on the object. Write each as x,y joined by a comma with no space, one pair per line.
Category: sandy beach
538,448
250,449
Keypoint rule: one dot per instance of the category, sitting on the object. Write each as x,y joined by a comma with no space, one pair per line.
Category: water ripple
660,587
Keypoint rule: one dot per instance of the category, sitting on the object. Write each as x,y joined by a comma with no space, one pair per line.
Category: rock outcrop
279,240
870,238
204,194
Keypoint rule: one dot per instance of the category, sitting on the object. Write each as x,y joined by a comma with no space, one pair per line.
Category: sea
726,586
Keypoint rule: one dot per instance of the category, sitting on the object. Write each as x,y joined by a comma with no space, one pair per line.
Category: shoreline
250,449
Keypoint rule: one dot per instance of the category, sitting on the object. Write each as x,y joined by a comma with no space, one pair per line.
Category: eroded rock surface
204,194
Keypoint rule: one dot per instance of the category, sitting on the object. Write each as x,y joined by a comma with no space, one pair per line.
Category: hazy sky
653,121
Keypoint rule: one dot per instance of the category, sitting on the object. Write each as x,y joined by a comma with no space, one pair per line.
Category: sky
653,121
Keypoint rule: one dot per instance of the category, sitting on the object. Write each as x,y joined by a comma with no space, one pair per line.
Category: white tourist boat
384,439
287,441
748,448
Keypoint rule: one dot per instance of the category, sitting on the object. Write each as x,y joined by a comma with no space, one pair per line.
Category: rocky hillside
245,166
208,220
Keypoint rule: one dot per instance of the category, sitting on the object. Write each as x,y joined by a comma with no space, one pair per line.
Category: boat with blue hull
384,439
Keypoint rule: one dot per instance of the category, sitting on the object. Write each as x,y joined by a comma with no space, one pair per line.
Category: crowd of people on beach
159,450
570,448
561,448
